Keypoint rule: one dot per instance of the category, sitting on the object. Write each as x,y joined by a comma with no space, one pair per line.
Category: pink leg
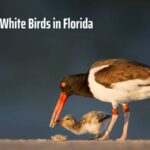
126,122
111,125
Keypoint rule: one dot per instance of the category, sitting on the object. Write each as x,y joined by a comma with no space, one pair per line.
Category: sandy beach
45,144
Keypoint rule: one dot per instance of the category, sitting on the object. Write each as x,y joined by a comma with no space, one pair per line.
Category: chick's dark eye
67,118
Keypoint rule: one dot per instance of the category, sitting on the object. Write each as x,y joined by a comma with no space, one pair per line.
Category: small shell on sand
59,137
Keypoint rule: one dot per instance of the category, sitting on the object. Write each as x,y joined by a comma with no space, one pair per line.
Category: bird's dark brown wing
121,70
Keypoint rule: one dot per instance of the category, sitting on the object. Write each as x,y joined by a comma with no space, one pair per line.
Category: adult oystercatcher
94,122
116,81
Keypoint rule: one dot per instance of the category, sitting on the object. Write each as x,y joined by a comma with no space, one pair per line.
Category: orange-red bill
58,108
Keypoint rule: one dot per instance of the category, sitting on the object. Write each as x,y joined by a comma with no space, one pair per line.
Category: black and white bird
94,122
116,81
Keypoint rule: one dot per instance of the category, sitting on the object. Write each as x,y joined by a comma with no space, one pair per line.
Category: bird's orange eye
63,84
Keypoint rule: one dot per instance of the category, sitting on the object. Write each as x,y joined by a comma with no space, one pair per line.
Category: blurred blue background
32,62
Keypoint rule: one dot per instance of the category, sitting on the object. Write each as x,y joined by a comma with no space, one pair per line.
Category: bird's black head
76,85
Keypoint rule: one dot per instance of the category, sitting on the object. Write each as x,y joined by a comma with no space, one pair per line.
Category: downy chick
94,122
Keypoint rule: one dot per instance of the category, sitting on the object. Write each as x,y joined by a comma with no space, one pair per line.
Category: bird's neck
80,86
76,128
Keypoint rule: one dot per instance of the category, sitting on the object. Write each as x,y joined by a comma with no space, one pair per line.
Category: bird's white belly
119,92
95,127
92,128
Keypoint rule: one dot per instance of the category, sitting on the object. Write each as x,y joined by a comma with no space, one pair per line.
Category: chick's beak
58,108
